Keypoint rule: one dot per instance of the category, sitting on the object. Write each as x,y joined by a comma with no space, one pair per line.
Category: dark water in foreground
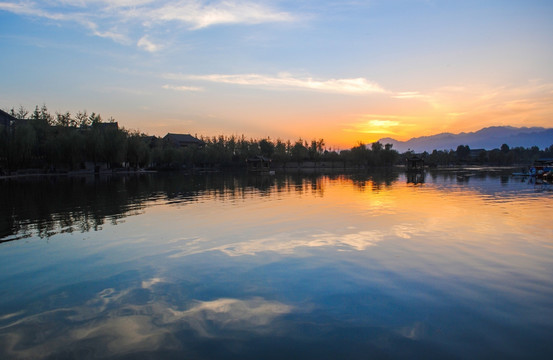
362,266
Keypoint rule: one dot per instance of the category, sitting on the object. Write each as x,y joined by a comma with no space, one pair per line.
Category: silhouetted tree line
505,155
231,151
40,140
45,141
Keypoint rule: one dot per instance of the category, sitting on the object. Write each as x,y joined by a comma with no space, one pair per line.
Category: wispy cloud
135,19
383,123
288,81
200,14
146,44
30,9
109,34
409,95
482,104
182,88
71,11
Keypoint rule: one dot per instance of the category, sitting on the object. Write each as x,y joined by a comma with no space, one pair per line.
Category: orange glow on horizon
344,122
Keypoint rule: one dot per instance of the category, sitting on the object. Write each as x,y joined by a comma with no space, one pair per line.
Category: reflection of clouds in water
232,314
414,332
148,284
102,302
357,241
9,316
120,335
288,243
109,324
405,231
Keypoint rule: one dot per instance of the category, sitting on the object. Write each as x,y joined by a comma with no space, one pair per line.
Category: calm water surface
358,266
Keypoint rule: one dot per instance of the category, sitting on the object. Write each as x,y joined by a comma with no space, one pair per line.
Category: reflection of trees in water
465,175
48,206
303,183
415,177
63,205
375,179
484,180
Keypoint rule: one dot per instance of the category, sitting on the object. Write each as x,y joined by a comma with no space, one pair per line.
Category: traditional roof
183,140
5,118
415,162
258,158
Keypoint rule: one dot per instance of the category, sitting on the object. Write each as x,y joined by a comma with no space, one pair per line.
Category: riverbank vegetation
72,142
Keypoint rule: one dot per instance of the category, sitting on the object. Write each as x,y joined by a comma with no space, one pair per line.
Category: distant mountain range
487,138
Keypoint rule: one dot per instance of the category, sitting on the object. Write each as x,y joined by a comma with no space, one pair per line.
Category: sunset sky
345,71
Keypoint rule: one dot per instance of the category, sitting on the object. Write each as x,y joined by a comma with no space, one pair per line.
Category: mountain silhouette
487,138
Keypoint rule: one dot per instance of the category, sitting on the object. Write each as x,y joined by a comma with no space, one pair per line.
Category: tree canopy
67,141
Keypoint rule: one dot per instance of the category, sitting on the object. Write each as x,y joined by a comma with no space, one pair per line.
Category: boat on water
541,169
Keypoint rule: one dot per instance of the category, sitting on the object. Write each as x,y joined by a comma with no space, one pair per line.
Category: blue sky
346,71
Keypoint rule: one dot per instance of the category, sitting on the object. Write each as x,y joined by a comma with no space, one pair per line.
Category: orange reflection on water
431,224
263,256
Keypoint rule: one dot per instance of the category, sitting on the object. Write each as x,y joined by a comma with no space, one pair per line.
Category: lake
454,264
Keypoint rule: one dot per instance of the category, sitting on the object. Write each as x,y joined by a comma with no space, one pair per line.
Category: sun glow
452,109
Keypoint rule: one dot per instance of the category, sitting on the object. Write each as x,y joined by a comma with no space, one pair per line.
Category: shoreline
75,174
311,169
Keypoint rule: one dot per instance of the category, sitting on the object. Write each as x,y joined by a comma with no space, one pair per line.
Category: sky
345,71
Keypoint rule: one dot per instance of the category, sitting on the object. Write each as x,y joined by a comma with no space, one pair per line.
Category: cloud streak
30,9
182,88
146,44
137,19
199,14
287,81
